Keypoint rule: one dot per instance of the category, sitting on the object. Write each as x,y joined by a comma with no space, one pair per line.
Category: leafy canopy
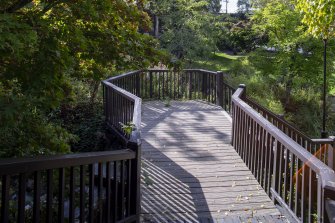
48,48
319,16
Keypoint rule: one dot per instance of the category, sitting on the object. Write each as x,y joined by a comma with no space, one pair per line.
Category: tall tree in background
243,6
226,5
187,27
214,6
319,16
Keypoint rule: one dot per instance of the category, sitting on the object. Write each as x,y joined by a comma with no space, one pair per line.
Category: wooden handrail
279,149
25,165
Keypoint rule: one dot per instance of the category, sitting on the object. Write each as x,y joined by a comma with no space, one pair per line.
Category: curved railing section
123,107
294,177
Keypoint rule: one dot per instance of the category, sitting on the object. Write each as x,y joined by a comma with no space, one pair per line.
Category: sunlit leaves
319,16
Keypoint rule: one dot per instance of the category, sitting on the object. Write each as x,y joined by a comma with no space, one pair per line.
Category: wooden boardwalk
191,173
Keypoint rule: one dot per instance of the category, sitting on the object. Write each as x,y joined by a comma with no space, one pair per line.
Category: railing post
244,94
135,206
219,88
331,155
234,116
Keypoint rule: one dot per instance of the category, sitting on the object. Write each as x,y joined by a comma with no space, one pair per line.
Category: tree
214,6
187,27
226,3
48,48
243,6
319,16
291,58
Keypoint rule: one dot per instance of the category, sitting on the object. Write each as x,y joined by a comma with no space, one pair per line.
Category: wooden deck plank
191,173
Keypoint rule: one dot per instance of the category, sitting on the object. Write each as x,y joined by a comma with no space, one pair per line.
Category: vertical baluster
259,151
49,195
100,207
159,85
71,197
122,179
82,195
275,167
5,198
303,188
22,197
266,158
298,189
257,136
150,85
249,124
61,189
312,195
280,171
91,194
241,143
270,156
291,167
37,195
108,192
190,85
128,196
163,85
174,85
115,192
252,145
255,148
286,185
262,158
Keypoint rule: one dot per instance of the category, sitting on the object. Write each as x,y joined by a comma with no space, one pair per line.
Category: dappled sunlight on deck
190,172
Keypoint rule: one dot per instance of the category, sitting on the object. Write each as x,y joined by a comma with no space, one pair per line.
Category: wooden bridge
196,150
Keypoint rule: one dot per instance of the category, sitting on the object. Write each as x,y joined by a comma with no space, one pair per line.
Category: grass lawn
216,62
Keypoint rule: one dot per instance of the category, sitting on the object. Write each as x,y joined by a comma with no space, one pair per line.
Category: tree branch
16,6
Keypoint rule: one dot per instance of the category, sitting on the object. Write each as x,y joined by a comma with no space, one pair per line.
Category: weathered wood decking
191,173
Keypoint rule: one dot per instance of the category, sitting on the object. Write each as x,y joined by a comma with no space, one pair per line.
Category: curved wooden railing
294,177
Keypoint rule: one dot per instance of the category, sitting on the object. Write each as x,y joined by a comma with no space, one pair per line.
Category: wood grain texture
191,173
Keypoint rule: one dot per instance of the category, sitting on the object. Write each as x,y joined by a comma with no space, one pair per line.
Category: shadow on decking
169,191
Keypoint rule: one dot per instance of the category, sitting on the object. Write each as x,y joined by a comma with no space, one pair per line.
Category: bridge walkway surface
190,171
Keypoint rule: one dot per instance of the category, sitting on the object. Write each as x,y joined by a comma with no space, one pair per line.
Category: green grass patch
216,62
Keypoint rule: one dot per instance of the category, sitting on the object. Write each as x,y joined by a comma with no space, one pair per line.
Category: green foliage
236,33
214,6
187,28
47,48
86,121
319,16
24,131
128,128
295,61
